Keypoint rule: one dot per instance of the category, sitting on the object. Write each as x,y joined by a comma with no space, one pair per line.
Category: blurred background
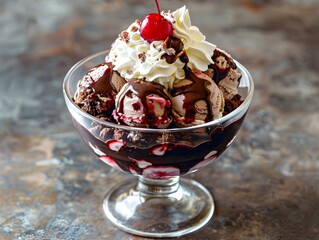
266,184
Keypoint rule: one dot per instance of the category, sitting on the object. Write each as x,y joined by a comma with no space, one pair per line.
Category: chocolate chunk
117,81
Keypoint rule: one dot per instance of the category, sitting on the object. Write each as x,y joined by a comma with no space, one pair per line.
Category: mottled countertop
266,185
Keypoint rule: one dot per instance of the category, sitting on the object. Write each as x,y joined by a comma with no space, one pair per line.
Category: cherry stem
158,8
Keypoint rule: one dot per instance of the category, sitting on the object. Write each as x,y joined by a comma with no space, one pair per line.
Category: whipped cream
198,50
134,57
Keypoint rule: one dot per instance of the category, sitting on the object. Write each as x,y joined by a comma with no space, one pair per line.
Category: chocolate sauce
130,155
174,49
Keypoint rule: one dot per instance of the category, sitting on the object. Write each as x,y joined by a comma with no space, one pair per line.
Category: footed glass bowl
159,203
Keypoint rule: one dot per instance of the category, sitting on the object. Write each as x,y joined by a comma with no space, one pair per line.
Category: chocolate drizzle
174,49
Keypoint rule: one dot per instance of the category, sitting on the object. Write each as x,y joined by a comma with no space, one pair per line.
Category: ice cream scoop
196,100
160,73
95,94
143,104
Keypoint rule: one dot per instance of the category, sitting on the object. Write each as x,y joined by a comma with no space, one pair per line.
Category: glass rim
218,121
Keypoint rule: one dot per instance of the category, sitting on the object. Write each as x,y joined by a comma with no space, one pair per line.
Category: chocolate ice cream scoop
229,85
143,104
94,94
97,89
196,100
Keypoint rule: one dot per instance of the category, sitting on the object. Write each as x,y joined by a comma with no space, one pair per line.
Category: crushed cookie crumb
142,57
124,36
134,29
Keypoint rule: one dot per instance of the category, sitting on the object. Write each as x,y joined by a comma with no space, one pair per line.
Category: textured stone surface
266,186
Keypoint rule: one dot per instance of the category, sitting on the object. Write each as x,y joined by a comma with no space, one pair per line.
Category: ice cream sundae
160,103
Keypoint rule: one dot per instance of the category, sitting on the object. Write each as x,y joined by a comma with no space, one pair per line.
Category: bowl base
159,208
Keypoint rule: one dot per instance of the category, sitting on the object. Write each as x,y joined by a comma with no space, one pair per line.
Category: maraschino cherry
155,27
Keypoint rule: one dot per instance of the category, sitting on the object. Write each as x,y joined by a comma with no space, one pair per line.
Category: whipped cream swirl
134,57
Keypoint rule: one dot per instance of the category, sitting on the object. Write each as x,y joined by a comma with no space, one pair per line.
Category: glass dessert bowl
159,203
